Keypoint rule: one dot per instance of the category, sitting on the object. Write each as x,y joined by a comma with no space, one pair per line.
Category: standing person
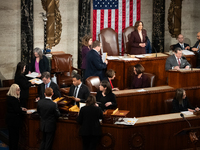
94,64
14,115
110,75
86,47
196,48
79,90
90,126
39,63
49,113
181,102
140,80
46,84
23,83
181,43
105,97
138,39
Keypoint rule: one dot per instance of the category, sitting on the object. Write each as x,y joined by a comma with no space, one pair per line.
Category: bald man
181,43
196,48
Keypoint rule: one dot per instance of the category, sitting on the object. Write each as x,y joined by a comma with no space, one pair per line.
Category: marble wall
11,19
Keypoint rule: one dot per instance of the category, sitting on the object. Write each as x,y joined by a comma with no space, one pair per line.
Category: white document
112,58
31,110
81,105
187,112
139,56
126,121
33,75
187,52
129,59
142,90
104,56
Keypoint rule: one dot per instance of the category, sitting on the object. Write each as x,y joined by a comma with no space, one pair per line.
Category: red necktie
111,83
179,63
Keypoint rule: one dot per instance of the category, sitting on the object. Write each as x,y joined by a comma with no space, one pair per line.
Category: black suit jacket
14,112
43,65
41,90
82,94
89,120
49,114
178,45
179,108
110,97
24,85
94,65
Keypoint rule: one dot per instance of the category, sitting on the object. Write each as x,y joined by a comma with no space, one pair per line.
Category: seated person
181,103
79,90
46,84
39,63
105,98
177,61
110,75
140,80
180,43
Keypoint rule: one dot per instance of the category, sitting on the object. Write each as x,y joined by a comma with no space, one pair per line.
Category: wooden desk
183,78
154,65
149,133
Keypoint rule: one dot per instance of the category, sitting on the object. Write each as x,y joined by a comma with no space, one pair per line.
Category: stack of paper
37,81
187,52
33,75
112,58
187,112
126,121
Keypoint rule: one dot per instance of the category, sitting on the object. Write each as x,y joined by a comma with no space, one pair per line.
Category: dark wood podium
184,78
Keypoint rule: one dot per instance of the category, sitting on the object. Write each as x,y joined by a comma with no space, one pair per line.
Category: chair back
168,106
109,40
126,36
151,78
93,83
172,47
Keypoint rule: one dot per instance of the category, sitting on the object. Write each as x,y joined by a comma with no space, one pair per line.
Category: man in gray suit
176,61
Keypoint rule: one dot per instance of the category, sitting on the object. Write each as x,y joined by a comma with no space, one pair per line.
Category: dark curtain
84,24
26,30
158,25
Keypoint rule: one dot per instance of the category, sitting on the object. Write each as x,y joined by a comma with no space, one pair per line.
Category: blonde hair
13,91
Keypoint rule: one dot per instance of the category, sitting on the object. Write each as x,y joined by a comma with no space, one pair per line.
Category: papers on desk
130,59
187,112
32,75
139,56
104,56
81,105
187,52
141,90
126,121
31,110
36,80
112,58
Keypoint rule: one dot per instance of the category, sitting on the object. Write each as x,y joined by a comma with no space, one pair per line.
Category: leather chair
8,83
61,65
151,78
109,40
172,47
126,36
168,106
93,83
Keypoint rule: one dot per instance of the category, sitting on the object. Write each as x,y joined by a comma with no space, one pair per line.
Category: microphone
151,45
182,115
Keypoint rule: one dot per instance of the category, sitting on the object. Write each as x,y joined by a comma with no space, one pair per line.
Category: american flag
116,14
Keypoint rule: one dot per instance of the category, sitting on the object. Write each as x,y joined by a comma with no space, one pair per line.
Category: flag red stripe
123,14
131,13
116,20
109,18
138,9
94,24
102,19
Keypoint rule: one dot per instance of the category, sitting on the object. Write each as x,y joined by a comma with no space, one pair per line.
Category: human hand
176,67
195,49
39,75
24,109
29,72
106,61
187,47
115,89
32,82
37,99
191,110
77,99
108,104
96,105
187,67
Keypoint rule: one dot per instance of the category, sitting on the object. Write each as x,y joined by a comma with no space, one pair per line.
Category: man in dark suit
177,61
181,44
49,114
196,48
47,83
95,66
79,90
